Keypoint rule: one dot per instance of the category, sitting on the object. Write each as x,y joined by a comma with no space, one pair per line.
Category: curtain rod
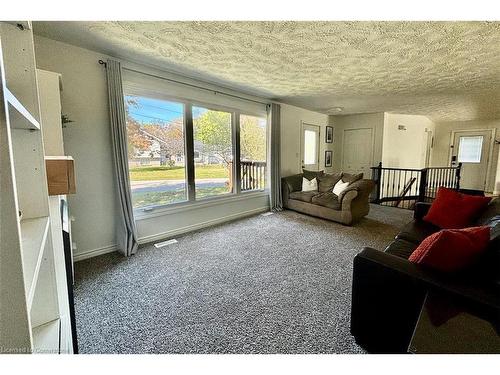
189,84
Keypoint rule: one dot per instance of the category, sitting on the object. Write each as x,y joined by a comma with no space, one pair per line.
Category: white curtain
275,188
126,230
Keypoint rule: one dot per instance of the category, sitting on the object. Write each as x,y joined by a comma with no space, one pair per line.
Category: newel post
376,177
423,185
458,176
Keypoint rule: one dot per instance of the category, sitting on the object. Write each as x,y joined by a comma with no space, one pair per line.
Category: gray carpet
275,284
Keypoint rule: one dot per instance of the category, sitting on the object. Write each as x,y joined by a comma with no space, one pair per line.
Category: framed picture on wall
328,158
329,134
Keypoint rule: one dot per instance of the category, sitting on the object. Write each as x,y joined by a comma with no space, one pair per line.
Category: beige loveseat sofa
350,206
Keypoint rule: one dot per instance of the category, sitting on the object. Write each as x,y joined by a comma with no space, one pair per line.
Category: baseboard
171,233
205,224
94,252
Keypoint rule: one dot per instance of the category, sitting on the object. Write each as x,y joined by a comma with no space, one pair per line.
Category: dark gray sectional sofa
388,290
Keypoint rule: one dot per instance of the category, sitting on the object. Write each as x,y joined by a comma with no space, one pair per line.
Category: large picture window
181,151
213,147
156,151
253,152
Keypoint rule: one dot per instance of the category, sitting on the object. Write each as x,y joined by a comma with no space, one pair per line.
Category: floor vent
267,213
165,243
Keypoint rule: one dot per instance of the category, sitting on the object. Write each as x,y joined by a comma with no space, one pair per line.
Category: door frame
429,147
372,156
493,132
302,123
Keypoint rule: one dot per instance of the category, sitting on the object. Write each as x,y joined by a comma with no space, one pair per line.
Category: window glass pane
253,152
213,151
310,147
469,149
155,131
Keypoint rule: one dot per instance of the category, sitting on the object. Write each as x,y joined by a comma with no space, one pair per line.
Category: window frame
268,149
188,128
215,108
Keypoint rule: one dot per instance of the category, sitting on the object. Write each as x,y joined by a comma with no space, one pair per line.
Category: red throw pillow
454,210
451,249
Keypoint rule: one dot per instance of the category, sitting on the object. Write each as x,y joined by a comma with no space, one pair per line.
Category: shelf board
20,117
46,337
25,24
34,237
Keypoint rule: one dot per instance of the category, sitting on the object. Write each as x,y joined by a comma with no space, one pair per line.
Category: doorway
310,146
472,149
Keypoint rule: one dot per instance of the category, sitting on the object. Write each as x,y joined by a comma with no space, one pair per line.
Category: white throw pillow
309,185
340,187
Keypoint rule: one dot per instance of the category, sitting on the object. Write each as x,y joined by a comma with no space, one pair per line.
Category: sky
155,110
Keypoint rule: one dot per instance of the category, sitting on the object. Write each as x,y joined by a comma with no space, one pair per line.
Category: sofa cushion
328,181
327,199
347,177
454,210
312,174
416,231
493,209
451,250
489,264
401,248
494,224
304,196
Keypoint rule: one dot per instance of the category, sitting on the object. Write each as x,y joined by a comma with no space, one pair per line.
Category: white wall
405,148
291,124
88,140
374,121
442,143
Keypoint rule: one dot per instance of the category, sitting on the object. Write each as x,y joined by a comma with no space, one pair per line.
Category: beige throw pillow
309,185
340,187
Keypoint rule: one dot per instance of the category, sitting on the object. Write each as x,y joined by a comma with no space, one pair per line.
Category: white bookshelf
47,336
19,116
31,292
34,234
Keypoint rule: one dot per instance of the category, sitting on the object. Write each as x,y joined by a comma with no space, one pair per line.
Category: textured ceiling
444,70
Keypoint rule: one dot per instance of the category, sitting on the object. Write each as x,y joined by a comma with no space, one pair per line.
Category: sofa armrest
288,185
421,209
387,296
293,183
363,187
347,199
466,285
386,301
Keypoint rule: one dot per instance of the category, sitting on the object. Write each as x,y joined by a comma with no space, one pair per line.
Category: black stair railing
403,187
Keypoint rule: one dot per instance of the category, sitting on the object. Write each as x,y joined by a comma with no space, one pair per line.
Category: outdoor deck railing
253,175
403,187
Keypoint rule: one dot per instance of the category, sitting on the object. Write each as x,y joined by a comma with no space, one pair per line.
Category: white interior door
310,147
357,151
472,149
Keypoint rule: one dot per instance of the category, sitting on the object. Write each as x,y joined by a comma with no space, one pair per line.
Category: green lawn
160,198
176,173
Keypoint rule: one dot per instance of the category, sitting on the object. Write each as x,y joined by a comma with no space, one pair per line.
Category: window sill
141,214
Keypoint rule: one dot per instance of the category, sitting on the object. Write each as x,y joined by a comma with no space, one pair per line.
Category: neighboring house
157,154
